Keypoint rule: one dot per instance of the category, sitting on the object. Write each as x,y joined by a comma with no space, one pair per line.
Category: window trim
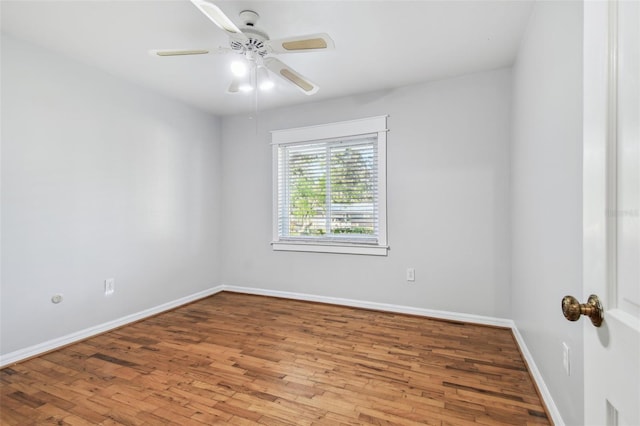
344,129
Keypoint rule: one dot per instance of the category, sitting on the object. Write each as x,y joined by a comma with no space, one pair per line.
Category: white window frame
343,129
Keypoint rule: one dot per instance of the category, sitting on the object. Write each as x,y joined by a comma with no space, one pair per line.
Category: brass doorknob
572,309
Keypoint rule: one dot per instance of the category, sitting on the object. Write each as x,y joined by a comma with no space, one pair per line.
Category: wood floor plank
243,359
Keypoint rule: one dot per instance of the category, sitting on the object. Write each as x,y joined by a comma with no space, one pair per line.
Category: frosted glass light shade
239,68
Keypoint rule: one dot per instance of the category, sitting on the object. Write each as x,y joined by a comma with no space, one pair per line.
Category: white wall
99,179
447,200
546,163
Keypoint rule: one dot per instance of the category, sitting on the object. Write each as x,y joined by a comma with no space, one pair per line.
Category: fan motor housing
256,38
255,42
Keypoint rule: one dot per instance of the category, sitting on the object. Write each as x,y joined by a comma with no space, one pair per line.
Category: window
330,188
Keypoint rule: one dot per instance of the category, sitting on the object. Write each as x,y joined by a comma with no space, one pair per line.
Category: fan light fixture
245,87
239,69
240,84
249,74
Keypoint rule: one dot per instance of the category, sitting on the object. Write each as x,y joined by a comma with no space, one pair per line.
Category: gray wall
546,209
99,179
448,149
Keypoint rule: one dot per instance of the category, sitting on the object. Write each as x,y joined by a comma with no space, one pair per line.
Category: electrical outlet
411,274
566,363
57,298
109,286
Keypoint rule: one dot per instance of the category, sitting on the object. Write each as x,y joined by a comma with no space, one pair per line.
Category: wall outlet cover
109,286
411,274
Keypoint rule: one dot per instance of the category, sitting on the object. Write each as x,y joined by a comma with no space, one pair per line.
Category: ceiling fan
255,46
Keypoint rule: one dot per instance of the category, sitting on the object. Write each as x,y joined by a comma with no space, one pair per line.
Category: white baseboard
50,345
542,387
400,309
31,351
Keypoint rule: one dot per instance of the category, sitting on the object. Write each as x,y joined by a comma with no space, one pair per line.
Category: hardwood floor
241,359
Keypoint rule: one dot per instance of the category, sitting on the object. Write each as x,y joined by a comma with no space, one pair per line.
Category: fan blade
187,52
218,17
277,67
307,43
178,52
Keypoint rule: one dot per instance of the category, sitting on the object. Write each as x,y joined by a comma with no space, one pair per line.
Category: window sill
331,248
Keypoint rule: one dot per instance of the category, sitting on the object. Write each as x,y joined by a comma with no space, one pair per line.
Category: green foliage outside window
352,192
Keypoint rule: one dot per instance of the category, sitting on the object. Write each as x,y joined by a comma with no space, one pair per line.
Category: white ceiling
379,44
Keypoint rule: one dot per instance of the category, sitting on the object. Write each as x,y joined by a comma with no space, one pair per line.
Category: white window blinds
330,188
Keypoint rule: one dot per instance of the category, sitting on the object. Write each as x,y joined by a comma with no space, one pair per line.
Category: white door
611,244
